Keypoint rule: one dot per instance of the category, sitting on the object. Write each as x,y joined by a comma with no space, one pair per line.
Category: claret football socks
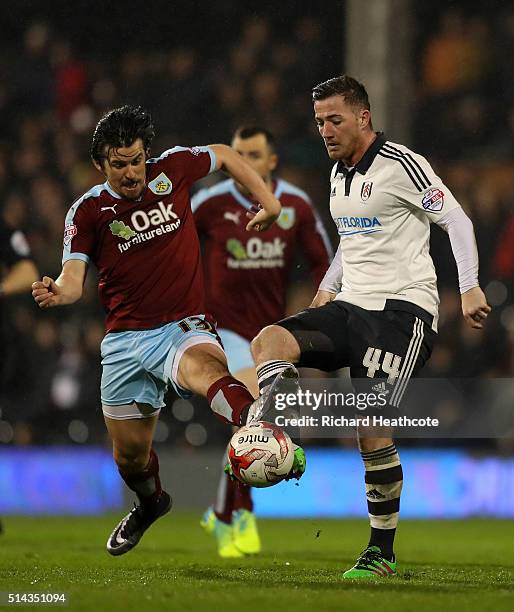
229,400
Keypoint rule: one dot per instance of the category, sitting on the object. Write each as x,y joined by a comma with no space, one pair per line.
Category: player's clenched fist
475,307
262,219
45,292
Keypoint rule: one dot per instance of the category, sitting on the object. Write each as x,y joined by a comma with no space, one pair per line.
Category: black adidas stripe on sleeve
419,185
411,161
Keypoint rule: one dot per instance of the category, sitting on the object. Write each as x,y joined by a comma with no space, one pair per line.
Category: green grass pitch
444,565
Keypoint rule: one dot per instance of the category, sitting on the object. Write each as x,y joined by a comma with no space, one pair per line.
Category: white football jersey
382,209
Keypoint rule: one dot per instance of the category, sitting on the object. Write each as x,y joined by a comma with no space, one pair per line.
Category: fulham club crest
366,190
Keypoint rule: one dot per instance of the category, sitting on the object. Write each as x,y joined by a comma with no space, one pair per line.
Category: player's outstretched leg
274,377
275,351
384,480
203,370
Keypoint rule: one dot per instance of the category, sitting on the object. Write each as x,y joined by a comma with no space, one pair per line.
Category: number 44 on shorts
390,364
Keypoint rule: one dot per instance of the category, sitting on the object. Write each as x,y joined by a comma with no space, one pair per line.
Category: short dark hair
121,127
249,131
353,92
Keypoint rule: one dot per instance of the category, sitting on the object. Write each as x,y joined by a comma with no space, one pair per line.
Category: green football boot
371,564
299,463
208,521
224,534
246,534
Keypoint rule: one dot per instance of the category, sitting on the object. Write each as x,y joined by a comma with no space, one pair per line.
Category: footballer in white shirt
376,309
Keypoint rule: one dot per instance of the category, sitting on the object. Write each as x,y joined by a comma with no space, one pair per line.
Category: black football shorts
391,344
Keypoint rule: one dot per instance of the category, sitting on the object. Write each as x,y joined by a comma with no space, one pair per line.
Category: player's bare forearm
321,298
67,289
70,286
19,278
475,307
232,163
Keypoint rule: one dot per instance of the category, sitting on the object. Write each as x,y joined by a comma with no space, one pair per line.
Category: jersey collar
367,159
111,191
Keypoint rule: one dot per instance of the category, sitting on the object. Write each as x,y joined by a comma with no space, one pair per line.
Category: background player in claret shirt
246,278
138,229
376,309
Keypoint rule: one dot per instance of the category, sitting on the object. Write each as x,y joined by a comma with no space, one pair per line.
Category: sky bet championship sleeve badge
287,217
433,200
161,185
69,231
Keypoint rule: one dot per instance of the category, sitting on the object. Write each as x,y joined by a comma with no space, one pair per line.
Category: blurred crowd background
203,70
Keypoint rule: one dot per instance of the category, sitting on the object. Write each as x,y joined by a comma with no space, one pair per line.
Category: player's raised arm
231,162
67,289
